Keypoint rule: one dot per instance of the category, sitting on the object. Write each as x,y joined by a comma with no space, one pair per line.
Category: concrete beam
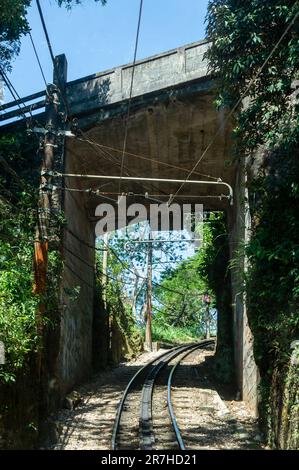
169,69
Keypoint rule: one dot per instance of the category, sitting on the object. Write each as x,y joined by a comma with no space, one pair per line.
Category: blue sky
95,38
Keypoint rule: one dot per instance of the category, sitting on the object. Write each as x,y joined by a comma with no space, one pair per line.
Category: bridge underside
172,120
170,135
165,138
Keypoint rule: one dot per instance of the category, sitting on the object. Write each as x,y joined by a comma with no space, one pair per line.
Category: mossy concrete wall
247,374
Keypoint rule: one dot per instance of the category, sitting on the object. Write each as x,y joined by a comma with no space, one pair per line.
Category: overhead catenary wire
62,93
52,56
237,104
15,95
154,196
107,275
119,259
131,91
162,180
155,160
45,30
88,191
38,60
130,270
54,64
97,147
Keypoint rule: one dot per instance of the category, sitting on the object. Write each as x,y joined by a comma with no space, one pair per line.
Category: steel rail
169,400
146,425
125,394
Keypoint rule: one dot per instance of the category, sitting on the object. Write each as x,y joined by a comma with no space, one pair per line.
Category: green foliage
13,25
70,3
126,340
179,297
274,264
115,315
128,262
173,334
126,282
18,305
243,36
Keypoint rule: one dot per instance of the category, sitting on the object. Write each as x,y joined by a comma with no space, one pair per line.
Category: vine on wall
266,135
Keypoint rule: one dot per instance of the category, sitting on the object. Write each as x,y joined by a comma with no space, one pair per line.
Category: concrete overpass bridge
171,121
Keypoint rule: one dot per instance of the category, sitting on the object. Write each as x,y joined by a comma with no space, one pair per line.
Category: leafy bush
243,36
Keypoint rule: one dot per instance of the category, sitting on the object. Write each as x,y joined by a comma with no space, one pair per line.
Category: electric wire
45,30
131,91
129,172
62,93
97,267
141,277
239,101
38,60
155,160
15,95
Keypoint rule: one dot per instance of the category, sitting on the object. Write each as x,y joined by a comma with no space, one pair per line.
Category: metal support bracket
43,131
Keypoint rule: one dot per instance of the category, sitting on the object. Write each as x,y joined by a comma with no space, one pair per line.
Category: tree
128,263
179,297
13,25
256,43
242,36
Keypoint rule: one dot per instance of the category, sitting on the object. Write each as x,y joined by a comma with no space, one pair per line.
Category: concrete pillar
240,230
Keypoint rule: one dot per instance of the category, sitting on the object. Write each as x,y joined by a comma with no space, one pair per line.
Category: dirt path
206,421
208,416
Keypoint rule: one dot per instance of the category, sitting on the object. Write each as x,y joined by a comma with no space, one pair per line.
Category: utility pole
207,301
148,327
52,150
208,323
105,285
104,268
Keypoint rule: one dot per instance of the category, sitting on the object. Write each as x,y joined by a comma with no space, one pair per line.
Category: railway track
133,426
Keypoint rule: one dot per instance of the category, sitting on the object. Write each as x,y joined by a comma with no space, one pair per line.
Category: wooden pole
49,200
104,268
208,323
148,328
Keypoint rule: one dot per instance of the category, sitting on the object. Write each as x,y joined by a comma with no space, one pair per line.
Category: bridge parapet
155,73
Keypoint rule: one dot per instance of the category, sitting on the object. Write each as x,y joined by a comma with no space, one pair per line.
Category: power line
45,30
104,153
143,157
239,101
131,90
15,95
150,180
95,144
88,191
137,275
97,267
63,95
38,61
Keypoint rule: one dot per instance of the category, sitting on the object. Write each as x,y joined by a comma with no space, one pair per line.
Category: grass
174,335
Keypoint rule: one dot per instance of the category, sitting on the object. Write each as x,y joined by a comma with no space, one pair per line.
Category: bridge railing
162,71
23,106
